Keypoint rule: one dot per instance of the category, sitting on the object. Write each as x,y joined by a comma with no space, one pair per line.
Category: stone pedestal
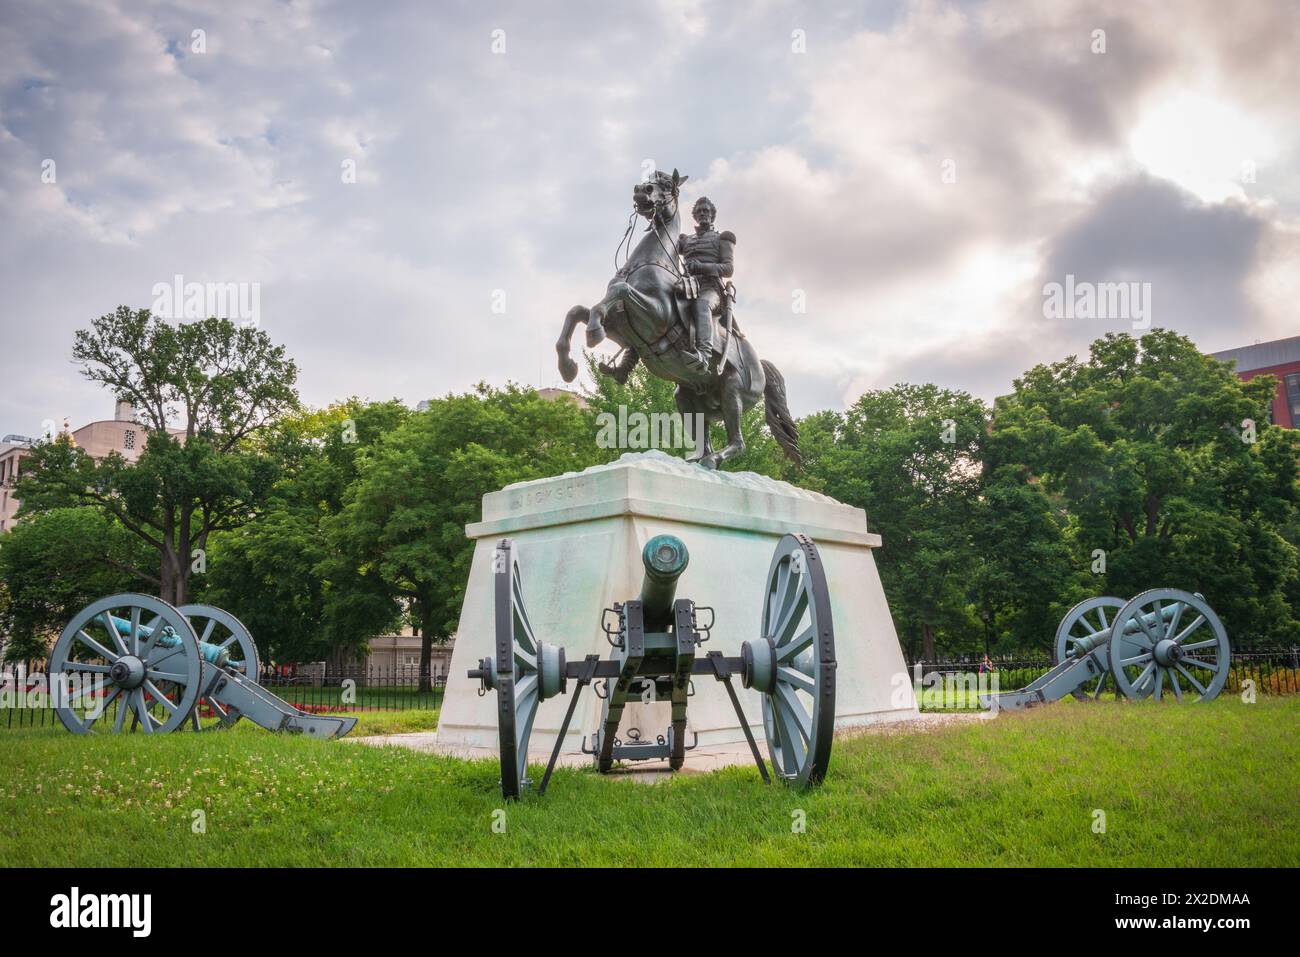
579,538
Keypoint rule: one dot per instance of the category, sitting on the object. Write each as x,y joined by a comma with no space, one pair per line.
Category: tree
278,574
911,457
1025,579
225,383
403,521
53,565
1170,474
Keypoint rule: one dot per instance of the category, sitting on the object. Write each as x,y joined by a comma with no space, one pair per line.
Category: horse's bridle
627,239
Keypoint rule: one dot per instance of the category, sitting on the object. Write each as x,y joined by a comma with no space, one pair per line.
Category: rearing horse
642,313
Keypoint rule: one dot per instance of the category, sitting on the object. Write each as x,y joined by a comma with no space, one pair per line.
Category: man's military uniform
708,256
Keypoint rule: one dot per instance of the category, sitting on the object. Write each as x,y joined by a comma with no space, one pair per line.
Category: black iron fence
315,689
319,688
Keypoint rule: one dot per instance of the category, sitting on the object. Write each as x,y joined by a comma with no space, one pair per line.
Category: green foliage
402,526
1025,581
324,528
55,563
225,383
910,456
279,574
1142,447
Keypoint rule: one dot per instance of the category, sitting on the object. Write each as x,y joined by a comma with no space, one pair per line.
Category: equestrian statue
669,306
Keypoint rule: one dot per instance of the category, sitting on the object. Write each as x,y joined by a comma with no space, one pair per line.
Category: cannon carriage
656,640
136,663
1163,642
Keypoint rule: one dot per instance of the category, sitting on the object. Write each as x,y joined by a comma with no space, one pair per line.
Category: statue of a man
708,257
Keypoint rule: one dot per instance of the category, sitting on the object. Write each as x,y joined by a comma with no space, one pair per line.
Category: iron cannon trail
1164,641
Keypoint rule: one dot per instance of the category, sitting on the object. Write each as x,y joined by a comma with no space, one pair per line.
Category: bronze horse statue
643,312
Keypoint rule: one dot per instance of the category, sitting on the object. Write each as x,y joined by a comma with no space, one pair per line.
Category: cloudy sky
914,171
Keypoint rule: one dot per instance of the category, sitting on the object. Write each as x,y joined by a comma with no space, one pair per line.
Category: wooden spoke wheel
126,663
514,670
1181,647
793,663
1080,631
221,632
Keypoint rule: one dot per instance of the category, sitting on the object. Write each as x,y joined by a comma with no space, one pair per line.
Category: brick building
1280,358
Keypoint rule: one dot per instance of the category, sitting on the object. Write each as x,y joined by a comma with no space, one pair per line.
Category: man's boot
703,337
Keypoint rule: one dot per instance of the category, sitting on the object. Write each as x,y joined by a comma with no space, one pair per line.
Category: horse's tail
779,421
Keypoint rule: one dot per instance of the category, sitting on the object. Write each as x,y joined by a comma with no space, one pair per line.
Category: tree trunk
166,577
167,571
183,564
927,642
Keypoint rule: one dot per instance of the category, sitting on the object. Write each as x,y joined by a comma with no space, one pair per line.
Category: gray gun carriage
136,663
655,639
1163,642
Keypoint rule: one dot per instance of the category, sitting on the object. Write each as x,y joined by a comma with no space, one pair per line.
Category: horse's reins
627,238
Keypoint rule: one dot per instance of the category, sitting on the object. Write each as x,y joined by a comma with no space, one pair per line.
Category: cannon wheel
134,668
1189,652
799,705
219,627
517,683
1090,617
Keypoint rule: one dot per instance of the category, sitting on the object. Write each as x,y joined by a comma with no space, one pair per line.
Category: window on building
1293,396
128,440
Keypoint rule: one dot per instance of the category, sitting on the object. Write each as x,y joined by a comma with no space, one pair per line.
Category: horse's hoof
568,368
595,336
710,462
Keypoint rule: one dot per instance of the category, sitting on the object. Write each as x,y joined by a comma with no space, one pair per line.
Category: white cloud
479,172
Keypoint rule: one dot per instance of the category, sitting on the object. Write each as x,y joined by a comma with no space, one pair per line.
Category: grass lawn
1193,785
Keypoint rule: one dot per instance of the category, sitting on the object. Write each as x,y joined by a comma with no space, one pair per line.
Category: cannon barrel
212,654
665,558
1090,642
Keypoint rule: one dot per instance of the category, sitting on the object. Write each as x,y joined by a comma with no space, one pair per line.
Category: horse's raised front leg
577,316
733,411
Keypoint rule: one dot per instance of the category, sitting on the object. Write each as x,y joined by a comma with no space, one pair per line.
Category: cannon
656,639
138,657
1141,648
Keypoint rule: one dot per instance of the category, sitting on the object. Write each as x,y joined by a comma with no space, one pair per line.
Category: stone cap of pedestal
657,485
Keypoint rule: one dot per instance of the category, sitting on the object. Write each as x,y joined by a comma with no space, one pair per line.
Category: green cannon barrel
212,654
665,558
1090,642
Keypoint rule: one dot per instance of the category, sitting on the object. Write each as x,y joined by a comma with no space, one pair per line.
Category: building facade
122,434
400,655
13,448
1279,358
